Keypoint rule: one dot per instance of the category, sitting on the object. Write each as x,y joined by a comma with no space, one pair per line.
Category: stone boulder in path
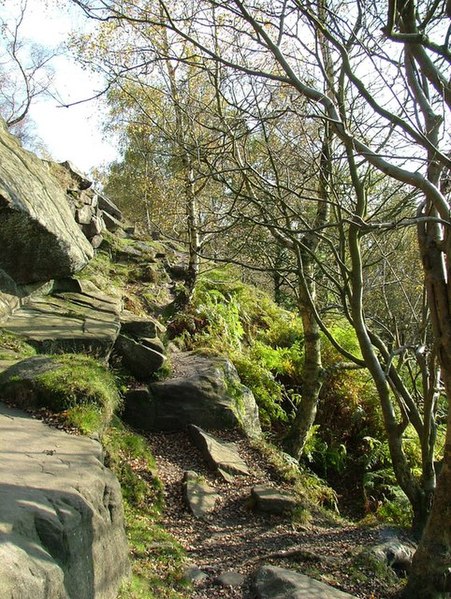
141,350
142,357
204,390
220,455
61,520
272,582
39,237
273,501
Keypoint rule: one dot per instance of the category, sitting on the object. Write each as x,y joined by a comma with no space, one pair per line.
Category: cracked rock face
39,237
61,520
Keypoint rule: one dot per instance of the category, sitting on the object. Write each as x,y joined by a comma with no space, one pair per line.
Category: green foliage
157,558
348,410
325,457
380,486
87,418
140,486
11,345
368,566
83,387
267,391
345,336
264,341
396,510
313,492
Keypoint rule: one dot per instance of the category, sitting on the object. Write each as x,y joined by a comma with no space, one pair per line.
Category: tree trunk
430,576
312,374
193,230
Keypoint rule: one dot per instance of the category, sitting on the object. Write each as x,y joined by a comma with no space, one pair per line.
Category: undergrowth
157,558
12,346
264,341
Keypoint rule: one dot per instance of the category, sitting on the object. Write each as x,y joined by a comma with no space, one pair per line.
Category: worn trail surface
234,538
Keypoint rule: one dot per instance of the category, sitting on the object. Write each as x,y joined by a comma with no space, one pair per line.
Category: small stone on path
195,575
230,579
270,500
199,496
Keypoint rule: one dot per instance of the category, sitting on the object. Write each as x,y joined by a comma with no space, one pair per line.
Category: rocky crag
62,526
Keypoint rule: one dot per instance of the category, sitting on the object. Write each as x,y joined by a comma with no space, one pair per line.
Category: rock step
61,521
221,456
199,496
272,582
68,322
273,501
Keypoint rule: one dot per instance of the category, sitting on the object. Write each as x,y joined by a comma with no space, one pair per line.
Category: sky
73,133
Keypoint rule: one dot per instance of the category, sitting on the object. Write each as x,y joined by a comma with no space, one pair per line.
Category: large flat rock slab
39,237
61,519
222,456
272,582
68,322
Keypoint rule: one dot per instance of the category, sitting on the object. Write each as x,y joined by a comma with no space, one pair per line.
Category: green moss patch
12,345
157,558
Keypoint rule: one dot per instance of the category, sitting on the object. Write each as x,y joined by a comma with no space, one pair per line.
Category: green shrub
267,391
263,340
325,457
396,510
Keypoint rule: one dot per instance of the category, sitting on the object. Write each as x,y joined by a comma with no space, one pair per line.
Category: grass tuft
157,558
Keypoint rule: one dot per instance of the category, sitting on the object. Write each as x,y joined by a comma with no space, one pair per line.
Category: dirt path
234,538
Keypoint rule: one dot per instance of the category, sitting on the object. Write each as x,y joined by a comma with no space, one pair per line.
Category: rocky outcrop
205,391
84,321
272,582
61,520
38,235
93,212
